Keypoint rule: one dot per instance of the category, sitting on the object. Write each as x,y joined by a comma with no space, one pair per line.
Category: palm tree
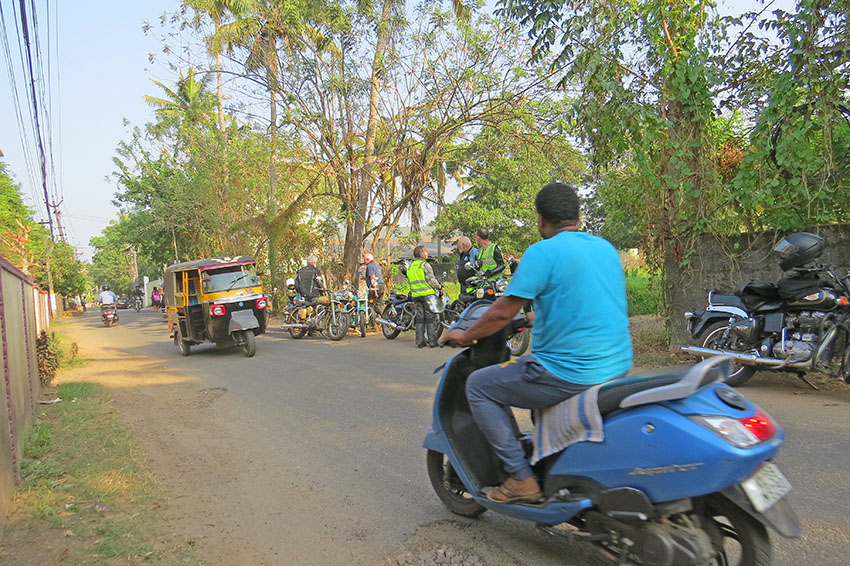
191,103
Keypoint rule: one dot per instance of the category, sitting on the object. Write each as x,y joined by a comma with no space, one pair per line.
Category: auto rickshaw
218,300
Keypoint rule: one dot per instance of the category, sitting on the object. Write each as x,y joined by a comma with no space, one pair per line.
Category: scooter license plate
766,487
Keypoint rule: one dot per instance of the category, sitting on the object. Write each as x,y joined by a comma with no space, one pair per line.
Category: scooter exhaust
386,322
749,359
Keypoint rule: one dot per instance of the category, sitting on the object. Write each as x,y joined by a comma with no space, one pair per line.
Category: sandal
506,495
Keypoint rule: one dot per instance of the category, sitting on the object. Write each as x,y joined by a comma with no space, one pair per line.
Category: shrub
644,297
47,353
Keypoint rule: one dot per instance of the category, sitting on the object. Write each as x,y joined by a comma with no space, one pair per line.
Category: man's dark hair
417,251
558,204
483,233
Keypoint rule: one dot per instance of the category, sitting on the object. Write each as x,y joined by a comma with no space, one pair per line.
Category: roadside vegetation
85,497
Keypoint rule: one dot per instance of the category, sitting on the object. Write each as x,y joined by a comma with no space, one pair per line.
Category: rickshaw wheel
182,345
249,344
361,323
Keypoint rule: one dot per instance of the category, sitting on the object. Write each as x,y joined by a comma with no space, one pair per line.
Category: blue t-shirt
374,270
581,325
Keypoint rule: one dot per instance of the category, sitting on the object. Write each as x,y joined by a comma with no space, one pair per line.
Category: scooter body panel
664,454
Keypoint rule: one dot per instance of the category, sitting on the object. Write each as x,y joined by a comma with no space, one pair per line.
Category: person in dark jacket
308,280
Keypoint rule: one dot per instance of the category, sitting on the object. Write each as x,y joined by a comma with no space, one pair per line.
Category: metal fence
23,314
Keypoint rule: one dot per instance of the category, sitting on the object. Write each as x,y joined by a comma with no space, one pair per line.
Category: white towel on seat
576,419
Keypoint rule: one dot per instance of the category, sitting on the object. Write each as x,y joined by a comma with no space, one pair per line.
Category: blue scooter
683,477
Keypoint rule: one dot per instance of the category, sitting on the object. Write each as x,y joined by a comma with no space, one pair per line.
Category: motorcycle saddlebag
755,294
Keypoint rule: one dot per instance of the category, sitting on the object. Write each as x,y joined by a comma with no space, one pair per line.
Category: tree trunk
351,251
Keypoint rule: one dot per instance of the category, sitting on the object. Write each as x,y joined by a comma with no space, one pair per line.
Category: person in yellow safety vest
490,256
422,285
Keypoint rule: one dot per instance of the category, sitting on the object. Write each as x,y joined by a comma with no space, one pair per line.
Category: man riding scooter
580,335
108,301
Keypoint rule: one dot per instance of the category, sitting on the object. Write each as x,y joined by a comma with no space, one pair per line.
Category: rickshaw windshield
230,277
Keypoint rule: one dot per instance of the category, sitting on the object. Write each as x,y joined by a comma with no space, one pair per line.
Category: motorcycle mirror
467,266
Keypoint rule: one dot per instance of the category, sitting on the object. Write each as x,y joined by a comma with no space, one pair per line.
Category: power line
25,147
35,113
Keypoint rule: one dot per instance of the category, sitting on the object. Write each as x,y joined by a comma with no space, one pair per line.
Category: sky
103,73
100,69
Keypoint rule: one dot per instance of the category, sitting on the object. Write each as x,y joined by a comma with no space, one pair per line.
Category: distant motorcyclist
139,294
106,297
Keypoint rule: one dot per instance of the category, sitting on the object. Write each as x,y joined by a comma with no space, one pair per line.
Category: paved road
310,452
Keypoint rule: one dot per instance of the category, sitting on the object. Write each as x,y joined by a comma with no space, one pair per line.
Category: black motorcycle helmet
799,249
106,287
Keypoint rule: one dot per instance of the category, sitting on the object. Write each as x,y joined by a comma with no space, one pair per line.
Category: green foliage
28,246
47,355
508,162
642,295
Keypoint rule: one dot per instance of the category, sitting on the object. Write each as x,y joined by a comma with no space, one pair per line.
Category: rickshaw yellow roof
209,263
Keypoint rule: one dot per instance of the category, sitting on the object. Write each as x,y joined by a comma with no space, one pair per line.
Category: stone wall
723,262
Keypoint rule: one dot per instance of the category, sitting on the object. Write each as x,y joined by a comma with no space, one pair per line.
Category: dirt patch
450,543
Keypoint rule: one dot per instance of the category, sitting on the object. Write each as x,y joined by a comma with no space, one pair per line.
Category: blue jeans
523,383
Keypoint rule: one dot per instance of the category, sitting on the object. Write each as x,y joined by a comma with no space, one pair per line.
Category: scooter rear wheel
448,487
740,539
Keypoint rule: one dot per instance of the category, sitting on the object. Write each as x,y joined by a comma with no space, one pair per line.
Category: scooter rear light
262,303
760,425
217,310
729,429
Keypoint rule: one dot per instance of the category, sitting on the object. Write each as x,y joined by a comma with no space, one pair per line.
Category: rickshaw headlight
218,310
262,303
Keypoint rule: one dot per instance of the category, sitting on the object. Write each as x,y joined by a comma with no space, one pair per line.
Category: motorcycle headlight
501,285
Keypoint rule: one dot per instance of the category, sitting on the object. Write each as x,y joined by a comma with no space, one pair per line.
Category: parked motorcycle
685,474
483,288
799,324
109,314
399,313
328,315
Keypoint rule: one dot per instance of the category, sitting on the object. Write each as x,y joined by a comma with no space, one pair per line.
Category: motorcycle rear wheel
710,338
390,313
449,488
739,539
295,317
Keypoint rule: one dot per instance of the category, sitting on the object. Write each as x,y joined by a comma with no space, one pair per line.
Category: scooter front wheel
449,488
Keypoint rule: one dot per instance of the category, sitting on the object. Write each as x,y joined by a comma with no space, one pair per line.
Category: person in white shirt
107,297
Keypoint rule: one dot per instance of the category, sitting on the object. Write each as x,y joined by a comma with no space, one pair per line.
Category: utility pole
58,214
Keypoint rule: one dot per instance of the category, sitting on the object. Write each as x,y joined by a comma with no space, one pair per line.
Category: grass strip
85,490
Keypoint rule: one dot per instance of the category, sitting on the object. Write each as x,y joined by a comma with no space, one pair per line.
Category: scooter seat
612,393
